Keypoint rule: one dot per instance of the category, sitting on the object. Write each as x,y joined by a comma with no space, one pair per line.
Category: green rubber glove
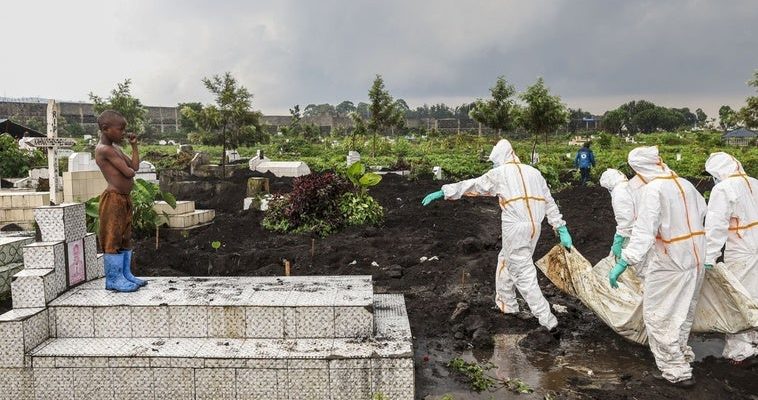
563,234
618,241
709,266
432,197
617,270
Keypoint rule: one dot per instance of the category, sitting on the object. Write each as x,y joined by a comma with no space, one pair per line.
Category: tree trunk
534,146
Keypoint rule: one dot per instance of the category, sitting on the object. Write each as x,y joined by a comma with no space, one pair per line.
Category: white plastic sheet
724,304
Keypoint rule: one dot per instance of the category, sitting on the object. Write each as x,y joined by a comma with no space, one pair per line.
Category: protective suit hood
722,165
611,178
503,153
647,163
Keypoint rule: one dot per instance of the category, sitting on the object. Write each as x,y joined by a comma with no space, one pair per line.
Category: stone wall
166,119
162,119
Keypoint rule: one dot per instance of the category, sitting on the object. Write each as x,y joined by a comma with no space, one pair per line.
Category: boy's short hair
109,117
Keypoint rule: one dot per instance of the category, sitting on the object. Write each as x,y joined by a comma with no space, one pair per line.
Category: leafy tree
402,105
121,100
345,108
462,111
702,118
15,162
497,112
749,113
186,125
544,113
383,111
231,117
727,118
315,110
363,109
614,120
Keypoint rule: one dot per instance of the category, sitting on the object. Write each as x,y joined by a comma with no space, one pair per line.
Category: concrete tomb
303,337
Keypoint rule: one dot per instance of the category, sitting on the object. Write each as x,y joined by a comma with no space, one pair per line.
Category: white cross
52,142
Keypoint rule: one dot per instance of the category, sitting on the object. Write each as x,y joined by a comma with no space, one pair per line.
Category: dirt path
589,362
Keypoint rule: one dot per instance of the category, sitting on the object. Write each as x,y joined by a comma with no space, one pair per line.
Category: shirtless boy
115,202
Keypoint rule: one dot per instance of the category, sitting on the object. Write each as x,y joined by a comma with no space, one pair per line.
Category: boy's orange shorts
115,221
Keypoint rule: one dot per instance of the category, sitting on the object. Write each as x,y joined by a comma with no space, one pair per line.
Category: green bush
361,209
14,162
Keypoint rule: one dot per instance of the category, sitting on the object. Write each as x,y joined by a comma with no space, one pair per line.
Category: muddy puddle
555,373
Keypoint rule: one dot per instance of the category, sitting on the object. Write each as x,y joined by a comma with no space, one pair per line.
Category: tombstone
147,172
81,162
257,160
199,159
535,158
353,157
184,148
162,142
146,166
678,156
437,171
232,155
257,186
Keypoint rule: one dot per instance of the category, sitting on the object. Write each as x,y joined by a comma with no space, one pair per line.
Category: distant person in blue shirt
584,161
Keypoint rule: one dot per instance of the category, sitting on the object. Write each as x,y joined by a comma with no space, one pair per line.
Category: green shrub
361,209
15,162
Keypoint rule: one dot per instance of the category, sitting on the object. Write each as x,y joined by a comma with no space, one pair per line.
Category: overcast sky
594,54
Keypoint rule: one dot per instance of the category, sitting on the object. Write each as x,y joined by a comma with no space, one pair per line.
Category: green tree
232,117
384,113
544,113
702,118
496,113
613,120
186,125
345,108
121,100
727,118
749,113
15,162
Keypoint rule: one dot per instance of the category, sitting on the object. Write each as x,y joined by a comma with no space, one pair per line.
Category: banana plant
360,178
144,218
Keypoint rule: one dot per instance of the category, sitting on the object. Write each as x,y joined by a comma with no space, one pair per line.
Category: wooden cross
52,143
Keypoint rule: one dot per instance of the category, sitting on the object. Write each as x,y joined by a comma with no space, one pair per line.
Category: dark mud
590,361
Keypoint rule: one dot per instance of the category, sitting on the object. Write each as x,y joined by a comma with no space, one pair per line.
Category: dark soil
464,235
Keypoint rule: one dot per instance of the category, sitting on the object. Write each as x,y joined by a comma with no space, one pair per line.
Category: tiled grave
11,261
210,338
189,337
184,215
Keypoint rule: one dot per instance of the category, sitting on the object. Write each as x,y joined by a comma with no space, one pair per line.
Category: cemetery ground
442,259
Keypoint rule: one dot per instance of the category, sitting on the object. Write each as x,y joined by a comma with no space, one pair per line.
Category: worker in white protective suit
670,218
524,199
624,209
732,219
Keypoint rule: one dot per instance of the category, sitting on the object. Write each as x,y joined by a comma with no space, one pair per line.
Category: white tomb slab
82,161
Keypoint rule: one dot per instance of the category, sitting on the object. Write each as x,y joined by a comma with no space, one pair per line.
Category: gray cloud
595,54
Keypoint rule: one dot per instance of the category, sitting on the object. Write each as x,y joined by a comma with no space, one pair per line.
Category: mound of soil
442,257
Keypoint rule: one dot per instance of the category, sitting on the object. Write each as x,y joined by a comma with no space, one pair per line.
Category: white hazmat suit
732,219
670,220
525,199
622,199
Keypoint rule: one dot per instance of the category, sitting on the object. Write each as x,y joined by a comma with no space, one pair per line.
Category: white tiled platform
240,307
211,338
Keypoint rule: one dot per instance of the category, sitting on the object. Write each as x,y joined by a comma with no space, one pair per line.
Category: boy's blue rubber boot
114,274
128,269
